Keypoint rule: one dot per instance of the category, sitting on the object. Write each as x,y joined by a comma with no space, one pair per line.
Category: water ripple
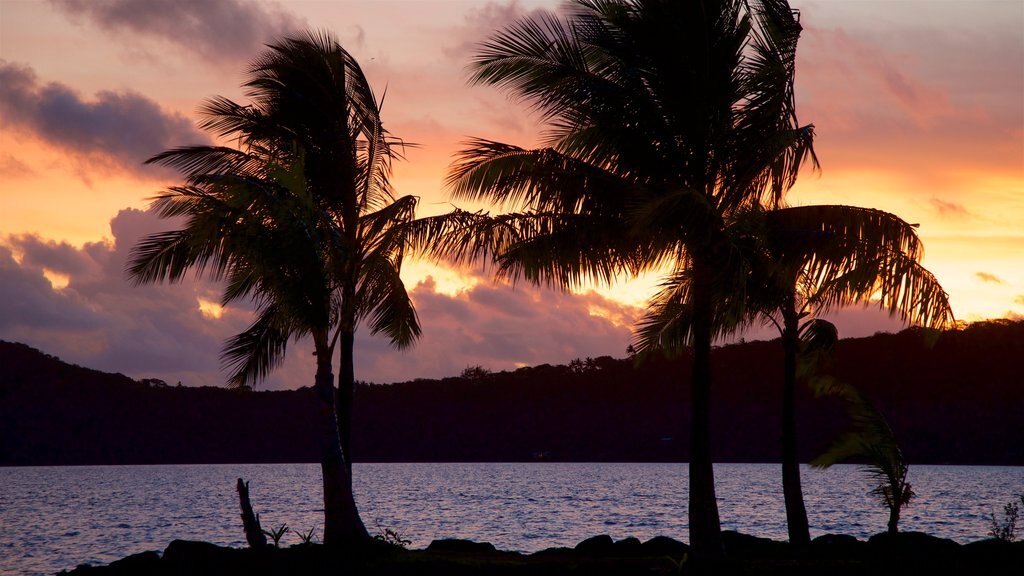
119,510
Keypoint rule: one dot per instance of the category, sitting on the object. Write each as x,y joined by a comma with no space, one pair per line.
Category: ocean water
54,518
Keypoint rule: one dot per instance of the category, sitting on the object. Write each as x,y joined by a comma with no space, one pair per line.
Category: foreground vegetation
834,555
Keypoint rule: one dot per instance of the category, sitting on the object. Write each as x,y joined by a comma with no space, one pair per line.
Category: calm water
52,518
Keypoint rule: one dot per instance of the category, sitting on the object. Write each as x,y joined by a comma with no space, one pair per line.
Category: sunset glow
919,112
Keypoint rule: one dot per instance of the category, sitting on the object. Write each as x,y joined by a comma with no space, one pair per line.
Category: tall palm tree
664,117
316,91
803,262
301,218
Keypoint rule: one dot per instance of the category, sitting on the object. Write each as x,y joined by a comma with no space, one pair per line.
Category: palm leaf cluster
303,206
256,229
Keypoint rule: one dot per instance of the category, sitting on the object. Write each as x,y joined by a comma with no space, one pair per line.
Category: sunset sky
918,106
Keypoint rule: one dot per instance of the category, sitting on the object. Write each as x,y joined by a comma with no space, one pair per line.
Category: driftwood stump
250,522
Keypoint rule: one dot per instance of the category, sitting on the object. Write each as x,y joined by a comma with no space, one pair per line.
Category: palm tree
664,118
803,262
301,218
317,92
870,441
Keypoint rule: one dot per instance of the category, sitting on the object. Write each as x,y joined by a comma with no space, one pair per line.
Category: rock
916,544
147,562
554,552
596,545
628,547
745,545
191,557
459,546
665,546
989,555
839,546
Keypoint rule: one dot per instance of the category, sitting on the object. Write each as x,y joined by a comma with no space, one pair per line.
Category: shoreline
833,554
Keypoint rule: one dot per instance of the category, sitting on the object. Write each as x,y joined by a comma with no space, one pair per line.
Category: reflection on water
56,517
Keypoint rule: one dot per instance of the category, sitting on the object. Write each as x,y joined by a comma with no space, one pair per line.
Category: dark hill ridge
959,400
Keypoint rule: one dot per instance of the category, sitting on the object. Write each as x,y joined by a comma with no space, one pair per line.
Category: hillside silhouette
959,400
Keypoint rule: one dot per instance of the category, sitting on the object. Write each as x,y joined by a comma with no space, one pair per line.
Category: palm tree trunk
346,389
705,526
796,513
342,524
894,519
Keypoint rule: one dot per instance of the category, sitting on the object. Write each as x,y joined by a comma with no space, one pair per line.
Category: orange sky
918,105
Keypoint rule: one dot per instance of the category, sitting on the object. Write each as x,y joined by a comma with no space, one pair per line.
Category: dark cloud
28,304
99,320
220,30
948,208
991,278
122,128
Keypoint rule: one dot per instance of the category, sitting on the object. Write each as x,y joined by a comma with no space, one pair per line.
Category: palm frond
386,302
848,254
254,353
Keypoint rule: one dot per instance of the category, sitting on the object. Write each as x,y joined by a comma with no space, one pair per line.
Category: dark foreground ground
907,554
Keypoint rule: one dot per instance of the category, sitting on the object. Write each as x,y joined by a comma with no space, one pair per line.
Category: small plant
1007,529
307,537
276,534
680,565
390,536
871,441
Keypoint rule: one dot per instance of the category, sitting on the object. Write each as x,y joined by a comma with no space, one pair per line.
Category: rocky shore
908,553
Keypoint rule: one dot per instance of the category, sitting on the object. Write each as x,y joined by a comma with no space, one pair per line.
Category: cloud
991,278
220,30
480,23
11,167
864,67
948,208
502,327
101,321
1019,300
119,128
98,319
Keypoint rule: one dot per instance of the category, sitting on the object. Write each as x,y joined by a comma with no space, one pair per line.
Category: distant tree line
956,402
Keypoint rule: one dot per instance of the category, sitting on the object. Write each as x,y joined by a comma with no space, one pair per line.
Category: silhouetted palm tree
803,261
301,219
664,118
871,440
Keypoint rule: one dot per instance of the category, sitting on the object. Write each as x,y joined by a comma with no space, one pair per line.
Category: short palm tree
804,261
664,118
871,440
301,218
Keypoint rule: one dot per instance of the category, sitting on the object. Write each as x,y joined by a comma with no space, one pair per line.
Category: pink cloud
852,81
219,30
